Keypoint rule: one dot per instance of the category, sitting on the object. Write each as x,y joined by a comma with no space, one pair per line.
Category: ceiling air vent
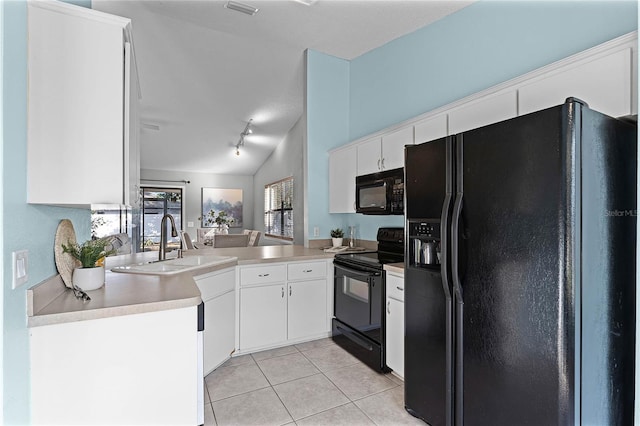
241,7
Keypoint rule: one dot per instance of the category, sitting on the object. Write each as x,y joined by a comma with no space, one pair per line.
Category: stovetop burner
390,250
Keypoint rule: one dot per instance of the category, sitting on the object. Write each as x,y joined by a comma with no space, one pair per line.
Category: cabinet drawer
306,270
216,283
262,274
395,287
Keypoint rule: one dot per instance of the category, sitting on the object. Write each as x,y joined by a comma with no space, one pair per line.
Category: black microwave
380,193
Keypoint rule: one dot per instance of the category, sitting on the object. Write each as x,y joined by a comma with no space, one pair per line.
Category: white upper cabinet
486,110
78,76
430,129
384,152
603,83
393,147
342,180
370,156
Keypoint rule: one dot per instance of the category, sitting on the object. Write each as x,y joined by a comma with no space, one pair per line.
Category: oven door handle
355,338
358,272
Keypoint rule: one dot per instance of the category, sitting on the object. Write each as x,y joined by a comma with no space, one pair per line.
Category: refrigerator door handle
455,255
458,312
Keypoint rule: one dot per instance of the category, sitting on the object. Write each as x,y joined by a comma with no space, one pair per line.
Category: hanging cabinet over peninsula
81,138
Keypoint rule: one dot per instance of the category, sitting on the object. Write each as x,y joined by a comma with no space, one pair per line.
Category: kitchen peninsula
141,330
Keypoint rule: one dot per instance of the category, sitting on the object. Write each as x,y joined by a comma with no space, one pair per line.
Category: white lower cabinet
217,290
394,340
307,309
263,316
283,312
131,369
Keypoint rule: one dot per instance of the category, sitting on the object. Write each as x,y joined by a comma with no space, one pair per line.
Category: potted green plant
336,237
221,221
90,274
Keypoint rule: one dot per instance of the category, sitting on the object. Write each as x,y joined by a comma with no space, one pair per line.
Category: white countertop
396,268
50,302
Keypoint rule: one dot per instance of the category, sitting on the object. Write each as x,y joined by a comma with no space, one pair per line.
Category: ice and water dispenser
424,244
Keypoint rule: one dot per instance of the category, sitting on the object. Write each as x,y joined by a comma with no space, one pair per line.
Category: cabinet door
70,116
130,369
307,309
342,180
487,110
219,330
370,156
604,84
131,132
395,336
393,148
263,316
430,129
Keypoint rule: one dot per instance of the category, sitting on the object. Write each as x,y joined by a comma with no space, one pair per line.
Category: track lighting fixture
247,131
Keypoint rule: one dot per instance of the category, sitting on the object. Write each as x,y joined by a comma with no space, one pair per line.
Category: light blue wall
327,105
482,45
25,226
478,47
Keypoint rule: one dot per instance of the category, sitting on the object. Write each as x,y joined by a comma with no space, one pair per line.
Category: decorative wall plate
65,263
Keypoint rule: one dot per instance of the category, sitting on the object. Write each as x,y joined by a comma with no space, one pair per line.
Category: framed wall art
221,207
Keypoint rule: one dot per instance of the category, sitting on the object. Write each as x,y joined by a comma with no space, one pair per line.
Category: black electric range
390,250
359,293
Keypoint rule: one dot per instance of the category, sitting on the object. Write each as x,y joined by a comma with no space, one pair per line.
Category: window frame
268,210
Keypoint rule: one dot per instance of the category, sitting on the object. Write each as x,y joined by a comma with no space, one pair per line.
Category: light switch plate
189,224
20,261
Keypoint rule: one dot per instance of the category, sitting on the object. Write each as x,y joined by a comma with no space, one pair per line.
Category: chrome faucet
162,253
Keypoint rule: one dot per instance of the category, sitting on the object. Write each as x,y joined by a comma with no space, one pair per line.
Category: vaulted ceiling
206,70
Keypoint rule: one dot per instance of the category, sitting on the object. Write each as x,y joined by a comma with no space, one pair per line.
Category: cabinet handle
289,290
306,271
282,291
388,307
383,164
379,164
263,275
399,288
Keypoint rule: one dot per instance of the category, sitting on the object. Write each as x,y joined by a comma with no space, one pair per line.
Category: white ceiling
205,70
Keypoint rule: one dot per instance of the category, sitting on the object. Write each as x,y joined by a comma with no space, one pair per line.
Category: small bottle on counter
352,236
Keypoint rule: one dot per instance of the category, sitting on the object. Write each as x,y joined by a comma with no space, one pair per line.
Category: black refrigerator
520,272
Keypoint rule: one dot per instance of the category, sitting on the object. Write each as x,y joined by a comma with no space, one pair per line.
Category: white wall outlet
189,224
20,261
316,231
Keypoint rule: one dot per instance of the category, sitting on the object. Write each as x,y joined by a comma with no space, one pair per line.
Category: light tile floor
313,383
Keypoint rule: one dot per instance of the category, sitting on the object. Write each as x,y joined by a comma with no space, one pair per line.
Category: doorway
156,202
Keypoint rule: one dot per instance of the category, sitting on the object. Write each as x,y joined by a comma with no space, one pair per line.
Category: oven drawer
262,274
367,350
306,270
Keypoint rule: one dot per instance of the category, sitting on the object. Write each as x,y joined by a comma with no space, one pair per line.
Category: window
278,209
156,203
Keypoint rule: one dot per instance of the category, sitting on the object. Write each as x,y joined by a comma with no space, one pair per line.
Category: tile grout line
296,350
274,391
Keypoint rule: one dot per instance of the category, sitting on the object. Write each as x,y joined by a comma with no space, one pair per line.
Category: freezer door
514,362
425,179
428,287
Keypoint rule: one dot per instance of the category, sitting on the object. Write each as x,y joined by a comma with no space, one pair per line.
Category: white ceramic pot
88,278
336,242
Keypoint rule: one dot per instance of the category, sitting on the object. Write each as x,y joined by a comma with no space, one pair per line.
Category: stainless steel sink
173,266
